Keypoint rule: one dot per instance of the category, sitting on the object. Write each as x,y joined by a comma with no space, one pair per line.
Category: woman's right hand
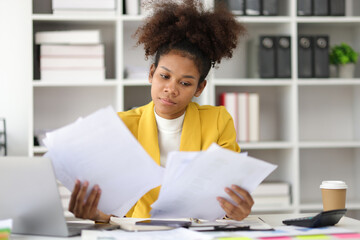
87,208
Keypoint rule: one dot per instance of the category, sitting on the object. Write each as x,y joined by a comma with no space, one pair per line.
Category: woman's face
173,84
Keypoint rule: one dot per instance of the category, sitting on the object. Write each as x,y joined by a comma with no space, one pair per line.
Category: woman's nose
171,88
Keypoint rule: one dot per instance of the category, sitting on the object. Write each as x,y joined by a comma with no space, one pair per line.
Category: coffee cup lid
333,185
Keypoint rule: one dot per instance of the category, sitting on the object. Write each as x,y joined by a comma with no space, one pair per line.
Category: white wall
16,72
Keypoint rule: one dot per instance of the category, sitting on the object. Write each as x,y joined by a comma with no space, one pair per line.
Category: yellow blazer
203,125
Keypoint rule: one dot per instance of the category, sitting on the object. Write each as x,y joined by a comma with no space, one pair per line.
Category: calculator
322,219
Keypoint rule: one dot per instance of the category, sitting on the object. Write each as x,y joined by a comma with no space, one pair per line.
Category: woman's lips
167,101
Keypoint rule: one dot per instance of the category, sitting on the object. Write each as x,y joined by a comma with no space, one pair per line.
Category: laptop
30,197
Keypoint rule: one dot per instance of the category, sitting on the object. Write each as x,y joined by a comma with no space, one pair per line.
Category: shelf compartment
338,33
329,113
239,65
108,38
284,159
133,56
317,165
136,96
55,107
275,107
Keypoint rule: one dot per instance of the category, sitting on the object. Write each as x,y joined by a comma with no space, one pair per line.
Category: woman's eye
185,83
164,76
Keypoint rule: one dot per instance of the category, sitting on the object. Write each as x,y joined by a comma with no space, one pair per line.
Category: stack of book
271,194
84,7
244,109
76,55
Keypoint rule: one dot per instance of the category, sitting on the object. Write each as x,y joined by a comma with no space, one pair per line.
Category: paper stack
272,194
84,7
70,56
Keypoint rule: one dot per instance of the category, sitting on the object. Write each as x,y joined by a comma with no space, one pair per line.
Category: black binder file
305,58
269,7
283,57
236,6
253,7
320,8
321,56
267,57
304,7
337,7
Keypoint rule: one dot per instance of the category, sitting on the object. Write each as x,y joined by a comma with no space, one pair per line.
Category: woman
186,41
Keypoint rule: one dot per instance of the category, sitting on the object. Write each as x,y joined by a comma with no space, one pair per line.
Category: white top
169,135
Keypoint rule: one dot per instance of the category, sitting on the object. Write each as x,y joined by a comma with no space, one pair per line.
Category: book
68,37
271,189
65,63
245,111
72,50
253,112
132,7
243,118
83,12
84,4
272,201
51,75
230,102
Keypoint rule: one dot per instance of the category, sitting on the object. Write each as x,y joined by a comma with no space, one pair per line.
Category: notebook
29,196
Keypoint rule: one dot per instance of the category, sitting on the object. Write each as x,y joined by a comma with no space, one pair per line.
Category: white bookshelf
308,127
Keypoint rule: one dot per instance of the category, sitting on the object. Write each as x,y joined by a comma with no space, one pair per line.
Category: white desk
272,219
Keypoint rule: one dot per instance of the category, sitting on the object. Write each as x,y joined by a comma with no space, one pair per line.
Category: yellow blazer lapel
191,133
148,134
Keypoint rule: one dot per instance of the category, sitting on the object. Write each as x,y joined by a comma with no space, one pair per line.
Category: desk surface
272,219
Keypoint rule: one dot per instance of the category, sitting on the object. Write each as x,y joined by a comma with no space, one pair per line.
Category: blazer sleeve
227,132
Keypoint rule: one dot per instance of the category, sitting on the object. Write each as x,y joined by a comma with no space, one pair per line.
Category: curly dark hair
203,35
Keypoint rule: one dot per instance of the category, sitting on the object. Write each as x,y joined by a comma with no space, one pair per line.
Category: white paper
178,234
100,149
290,231
204,178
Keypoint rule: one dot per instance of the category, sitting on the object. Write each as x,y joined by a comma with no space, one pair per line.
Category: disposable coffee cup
333,195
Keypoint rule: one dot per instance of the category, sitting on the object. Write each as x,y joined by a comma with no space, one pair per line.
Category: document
192,182
249,223
177,233
100,149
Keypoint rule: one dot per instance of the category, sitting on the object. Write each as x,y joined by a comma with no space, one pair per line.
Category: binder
283,57
252,7
337,7
305,59
269,7
267,57
321,56
236,6
320,7
304,7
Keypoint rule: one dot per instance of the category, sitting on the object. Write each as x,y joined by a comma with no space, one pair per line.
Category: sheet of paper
203,179
290,231
100,149
178,234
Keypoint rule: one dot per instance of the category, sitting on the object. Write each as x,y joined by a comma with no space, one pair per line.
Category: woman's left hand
243,203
